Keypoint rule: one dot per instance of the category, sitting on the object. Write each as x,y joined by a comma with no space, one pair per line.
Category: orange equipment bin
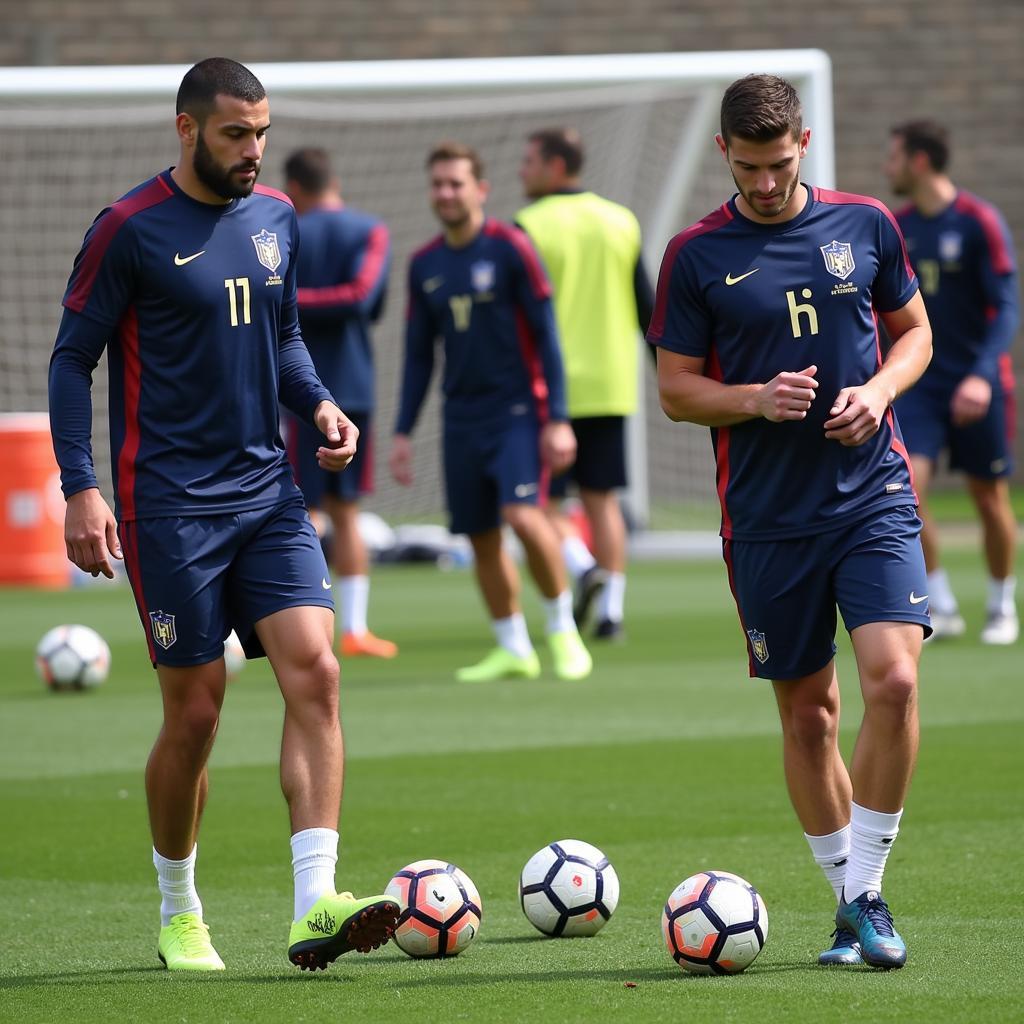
32,551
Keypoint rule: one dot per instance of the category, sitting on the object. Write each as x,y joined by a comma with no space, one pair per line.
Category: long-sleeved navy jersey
196,305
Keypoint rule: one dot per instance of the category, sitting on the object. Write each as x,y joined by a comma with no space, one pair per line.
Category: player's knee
194,723
811,725
315,686
893,689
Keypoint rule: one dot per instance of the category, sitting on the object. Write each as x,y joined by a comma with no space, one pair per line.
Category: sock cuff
875,823
174,870
830,848
314,842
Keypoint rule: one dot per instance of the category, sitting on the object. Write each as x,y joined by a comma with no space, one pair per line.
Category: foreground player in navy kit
960,248
342,276
481,287
189,282
765,321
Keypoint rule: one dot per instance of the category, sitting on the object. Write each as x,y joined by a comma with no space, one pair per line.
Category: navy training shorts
600,456
353,481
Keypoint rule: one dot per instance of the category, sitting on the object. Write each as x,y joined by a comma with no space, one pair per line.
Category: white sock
1001,595
355,596
871,837
177,882
558,611
578,558
612,598
314,855
940,596
830,854
512,634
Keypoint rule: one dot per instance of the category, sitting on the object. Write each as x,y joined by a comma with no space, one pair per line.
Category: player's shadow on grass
97,976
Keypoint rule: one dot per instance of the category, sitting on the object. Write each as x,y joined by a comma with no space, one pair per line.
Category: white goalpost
77,138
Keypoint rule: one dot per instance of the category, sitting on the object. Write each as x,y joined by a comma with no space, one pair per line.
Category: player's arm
362,295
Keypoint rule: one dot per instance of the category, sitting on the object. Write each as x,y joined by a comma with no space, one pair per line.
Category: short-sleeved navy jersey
754,300
964,259
491,303
196,305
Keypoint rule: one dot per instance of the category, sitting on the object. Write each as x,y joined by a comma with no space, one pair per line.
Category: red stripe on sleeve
713,370
986,216
524,247
128,335
361,285
534,366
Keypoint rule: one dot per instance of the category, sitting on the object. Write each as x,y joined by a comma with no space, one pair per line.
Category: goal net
77,138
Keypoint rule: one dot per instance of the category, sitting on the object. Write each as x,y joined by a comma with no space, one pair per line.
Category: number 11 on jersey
242,285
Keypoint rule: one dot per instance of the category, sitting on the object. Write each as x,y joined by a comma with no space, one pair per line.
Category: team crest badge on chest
950,244
164,632
758,644
838,258
267,250
482,275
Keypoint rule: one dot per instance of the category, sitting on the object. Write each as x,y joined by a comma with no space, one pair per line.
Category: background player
765,316
961,250
591,249
482,289
342,276
189,282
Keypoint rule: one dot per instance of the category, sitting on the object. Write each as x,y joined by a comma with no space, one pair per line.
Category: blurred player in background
480,287
591,249
188,281
765,318
342,274
962,253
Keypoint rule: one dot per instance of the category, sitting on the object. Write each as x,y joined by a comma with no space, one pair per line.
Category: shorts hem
920,620
798,674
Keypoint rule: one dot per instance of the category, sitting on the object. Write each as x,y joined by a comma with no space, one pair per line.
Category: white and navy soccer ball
568,888
440,909
714,922
72,658
234,655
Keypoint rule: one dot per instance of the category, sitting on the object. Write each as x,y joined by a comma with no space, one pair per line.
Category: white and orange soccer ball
568,888
72,658
714,922
440,909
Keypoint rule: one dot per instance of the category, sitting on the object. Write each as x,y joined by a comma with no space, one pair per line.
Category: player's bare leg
496,573
588,578
999,528
609,533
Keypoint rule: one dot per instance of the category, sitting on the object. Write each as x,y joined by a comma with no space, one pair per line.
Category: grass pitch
668,759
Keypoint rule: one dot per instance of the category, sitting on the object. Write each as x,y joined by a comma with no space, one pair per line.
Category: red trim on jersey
266,190
901,450
712,222
128,334
988,219
130,543
727,556
534,367
713,369
361,285
535,272
1007,383
110,223
366,475
435,243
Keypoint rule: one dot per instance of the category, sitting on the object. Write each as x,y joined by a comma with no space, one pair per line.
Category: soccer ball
234,656
569,888
72,658
440,909
714,922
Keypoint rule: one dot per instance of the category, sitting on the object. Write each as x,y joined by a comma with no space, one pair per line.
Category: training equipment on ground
441,909
72,658
714,922
234,655
568,888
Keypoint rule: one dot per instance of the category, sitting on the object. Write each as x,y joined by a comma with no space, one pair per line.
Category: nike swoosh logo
729,279
914,599
325,584
180,261
432,284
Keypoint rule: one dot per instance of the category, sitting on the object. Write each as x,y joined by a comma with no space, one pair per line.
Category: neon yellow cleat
572,660
500,663
185,945
337,924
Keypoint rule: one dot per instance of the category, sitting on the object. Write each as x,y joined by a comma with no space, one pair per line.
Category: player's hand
856,415
400,459
90,533
342,437
788,396
970,401
557,446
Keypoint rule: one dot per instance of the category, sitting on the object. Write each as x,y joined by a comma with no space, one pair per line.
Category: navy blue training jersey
964,260
344,257
196,306
491,303
754,300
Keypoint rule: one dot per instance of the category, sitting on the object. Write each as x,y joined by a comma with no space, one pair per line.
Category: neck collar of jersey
786,225
218,208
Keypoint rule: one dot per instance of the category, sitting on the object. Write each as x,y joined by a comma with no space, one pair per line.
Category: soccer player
591,249
342,277
765,318
961,250
481,287
188,281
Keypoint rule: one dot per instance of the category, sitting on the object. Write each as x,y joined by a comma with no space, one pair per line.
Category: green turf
668,759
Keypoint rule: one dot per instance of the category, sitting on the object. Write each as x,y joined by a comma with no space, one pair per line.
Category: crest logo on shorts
758,645
839,259
267,251
482,275
164,632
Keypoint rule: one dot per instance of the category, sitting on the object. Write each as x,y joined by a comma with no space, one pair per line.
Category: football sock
578,558
871,837
314,856
830,854
177,882
612,598
940,596
558,611
511,633
355,595
1001,595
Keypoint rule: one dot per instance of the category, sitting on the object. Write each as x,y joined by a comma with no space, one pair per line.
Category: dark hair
450,150
310,168
926,137
213,77
563,142
760,108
